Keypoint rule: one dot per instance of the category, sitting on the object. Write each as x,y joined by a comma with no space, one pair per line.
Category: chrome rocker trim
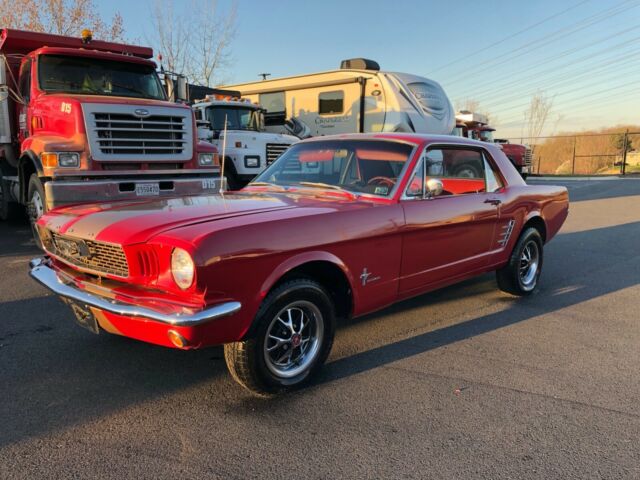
42,273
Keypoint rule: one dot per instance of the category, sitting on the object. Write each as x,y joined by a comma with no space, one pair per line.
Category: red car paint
243,243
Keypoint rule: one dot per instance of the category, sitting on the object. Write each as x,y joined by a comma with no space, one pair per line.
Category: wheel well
538,224
331,277
26,168
229,166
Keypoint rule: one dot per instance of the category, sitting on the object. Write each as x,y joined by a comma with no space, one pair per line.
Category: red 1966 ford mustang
335,228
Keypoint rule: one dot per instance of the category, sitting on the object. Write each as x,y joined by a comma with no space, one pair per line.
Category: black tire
467,171
34,191
248,361
8,210
512,278
233,182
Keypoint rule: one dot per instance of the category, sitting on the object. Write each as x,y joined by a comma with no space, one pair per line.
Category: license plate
147,189
84,316
208,184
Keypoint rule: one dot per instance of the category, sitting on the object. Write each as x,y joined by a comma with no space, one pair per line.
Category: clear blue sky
586,58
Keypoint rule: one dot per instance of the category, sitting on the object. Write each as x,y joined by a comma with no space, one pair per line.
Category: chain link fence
585,154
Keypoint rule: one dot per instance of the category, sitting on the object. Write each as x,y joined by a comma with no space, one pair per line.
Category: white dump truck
358,97
248,149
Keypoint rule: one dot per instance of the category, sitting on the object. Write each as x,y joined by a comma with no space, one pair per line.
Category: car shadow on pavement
16,239
54,375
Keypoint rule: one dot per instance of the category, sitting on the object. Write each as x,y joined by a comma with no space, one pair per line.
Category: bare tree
537,115
196,40
62,17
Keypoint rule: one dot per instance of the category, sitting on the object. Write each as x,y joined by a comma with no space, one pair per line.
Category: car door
449,235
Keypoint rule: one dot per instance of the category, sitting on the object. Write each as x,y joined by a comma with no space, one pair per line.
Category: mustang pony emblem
366,277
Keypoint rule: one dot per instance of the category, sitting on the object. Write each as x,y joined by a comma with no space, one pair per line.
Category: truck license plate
147,189
208,184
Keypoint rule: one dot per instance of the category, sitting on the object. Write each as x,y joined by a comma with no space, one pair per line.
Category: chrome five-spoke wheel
529,260
293,339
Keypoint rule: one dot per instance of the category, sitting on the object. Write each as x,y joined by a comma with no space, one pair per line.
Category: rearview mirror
181,89
434,187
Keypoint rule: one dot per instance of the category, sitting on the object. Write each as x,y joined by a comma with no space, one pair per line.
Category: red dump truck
85,121
476,126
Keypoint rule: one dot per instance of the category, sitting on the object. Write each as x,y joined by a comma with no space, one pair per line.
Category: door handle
493,201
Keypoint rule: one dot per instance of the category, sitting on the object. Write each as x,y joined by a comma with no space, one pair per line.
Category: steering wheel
385,181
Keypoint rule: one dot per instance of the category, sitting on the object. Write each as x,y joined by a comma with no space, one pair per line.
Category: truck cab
476,126
88,121
236,125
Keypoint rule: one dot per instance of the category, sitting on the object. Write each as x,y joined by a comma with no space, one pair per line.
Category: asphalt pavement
462,383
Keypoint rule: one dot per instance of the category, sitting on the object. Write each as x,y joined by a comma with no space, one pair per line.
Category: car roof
415,138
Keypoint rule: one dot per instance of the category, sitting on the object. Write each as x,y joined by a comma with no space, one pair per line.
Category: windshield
357,166
96,76
238,118
486,135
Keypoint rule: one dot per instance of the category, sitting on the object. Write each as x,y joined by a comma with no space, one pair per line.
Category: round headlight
182,268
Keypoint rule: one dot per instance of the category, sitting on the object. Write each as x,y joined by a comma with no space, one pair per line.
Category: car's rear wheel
293,335
521,275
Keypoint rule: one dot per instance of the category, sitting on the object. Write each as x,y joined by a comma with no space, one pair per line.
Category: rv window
331,102
275,109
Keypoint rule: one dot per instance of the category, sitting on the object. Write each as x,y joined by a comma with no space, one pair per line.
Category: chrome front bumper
66,192
44,274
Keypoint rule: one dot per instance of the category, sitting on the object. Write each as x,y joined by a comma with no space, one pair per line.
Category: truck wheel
233,183
520,276
36,205
467,171
8,210
294,333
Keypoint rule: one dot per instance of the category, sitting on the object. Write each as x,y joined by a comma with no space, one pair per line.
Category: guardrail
585,154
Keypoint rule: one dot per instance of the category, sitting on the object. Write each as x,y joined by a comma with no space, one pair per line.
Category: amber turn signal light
49,159
177,339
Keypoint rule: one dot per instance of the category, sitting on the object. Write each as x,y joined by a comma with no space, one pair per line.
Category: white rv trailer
358,97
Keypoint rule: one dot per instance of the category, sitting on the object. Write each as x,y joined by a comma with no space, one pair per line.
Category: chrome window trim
483,152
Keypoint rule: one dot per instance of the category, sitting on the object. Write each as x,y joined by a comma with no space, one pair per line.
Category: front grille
127,134
99,257
117,132
528,156
274,150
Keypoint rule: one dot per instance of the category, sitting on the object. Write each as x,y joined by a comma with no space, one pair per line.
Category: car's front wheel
293,335
521,275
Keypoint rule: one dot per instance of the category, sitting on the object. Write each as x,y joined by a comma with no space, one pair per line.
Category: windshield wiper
328,186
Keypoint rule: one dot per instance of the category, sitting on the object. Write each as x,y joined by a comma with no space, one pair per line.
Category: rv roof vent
359,64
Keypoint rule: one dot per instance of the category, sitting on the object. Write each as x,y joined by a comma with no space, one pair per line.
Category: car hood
127,223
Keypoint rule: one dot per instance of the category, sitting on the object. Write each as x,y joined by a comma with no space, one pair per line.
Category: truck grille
528,156
274,150
117,132
99,257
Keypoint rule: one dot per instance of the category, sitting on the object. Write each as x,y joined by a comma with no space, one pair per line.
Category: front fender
306,257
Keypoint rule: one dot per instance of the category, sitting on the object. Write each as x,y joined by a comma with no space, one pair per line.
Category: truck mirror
182,93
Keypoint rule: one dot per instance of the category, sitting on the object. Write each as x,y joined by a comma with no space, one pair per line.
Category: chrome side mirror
434,187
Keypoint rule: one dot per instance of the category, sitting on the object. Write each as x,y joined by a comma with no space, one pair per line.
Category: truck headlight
60,159
251,161
182,268
205,159
68,159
